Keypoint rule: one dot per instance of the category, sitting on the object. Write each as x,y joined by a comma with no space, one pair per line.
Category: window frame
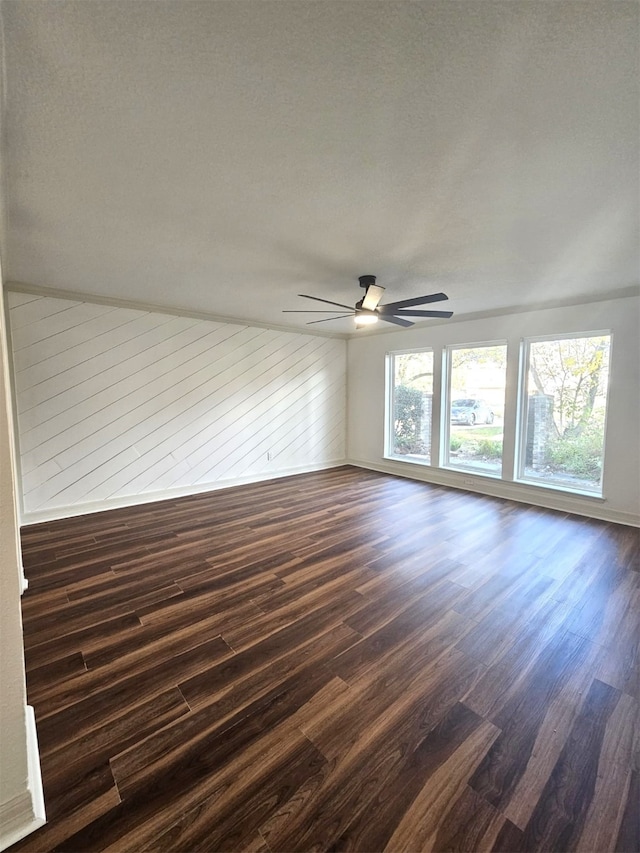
523,414
389,420
445,419
516,406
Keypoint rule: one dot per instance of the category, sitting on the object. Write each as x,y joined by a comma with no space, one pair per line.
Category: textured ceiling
225,156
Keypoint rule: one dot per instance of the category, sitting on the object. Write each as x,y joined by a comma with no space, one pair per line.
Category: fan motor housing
366,280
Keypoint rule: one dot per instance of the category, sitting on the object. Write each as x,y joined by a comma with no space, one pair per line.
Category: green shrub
489,449
409,446
580,455
408,409
455,443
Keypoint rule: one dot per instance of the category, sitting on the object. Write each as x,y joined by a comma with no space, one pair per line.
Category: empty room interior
320,456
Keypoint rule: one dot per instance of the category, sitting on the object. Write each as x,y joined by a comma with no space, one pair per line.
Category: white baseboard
25,812
54,513
591,507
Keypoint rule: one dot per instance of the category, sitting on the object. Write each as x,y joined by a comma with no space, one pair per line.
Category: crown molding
173,310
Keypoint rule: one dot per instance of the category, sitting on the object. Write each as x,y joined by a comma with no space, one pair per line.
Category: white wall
116,405
366,403
21,804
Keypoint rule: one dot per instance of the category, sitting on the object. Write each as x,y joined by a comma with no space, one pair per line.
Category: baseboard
534,495
54,513
25,813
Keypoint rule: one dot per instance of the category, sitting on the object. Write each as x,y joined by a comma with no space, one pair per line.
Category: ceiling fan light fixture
368,310
365,318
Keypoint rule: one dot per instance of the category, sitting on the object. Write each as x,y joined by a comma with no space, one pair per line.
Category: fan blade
372,297
423,314
392,307
399,321
326,319
317,299
312,311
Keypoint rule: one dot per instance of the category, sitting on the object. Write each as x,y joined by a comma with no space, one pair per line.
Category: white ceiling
223,157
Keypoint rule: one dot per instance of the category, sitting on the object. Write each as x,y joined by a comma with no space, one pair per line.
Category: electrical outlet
469,482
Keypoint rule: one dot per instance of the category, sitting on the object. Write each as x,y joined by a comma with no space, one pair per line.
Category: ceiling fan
368,310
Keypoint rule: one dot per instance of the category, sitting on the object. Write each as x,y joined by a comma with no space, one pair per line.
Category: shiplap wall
116,403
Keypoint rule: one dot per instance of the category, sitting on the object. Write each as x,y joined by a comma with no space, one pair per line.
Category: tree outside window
566,401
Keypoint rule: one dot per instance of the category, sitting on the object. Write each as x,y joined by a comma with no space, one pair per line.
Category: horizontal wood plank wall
115,402
339,660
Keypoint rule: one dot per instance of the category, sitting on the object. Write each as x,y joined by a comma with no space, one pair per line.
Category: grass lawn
466,433
482,443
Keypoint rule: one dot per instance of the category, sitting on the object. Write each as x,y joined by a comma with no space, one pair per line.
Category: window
564,409
559,389
410,377
474,415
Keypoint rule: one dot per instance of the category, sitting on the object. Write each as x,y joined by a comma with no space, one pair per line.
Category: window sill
414,460
566,490
487,475
470,470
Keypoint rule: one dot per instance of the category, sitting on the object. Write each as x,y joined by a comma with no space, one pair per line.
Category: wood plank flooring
340,660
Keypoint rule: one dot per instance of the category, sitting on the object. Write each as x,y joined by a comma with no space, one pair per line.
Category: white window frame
523,413
389,420
445,420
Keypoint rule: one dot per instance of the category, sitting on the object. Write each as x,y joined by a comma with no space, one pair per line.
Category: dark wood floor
339,660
